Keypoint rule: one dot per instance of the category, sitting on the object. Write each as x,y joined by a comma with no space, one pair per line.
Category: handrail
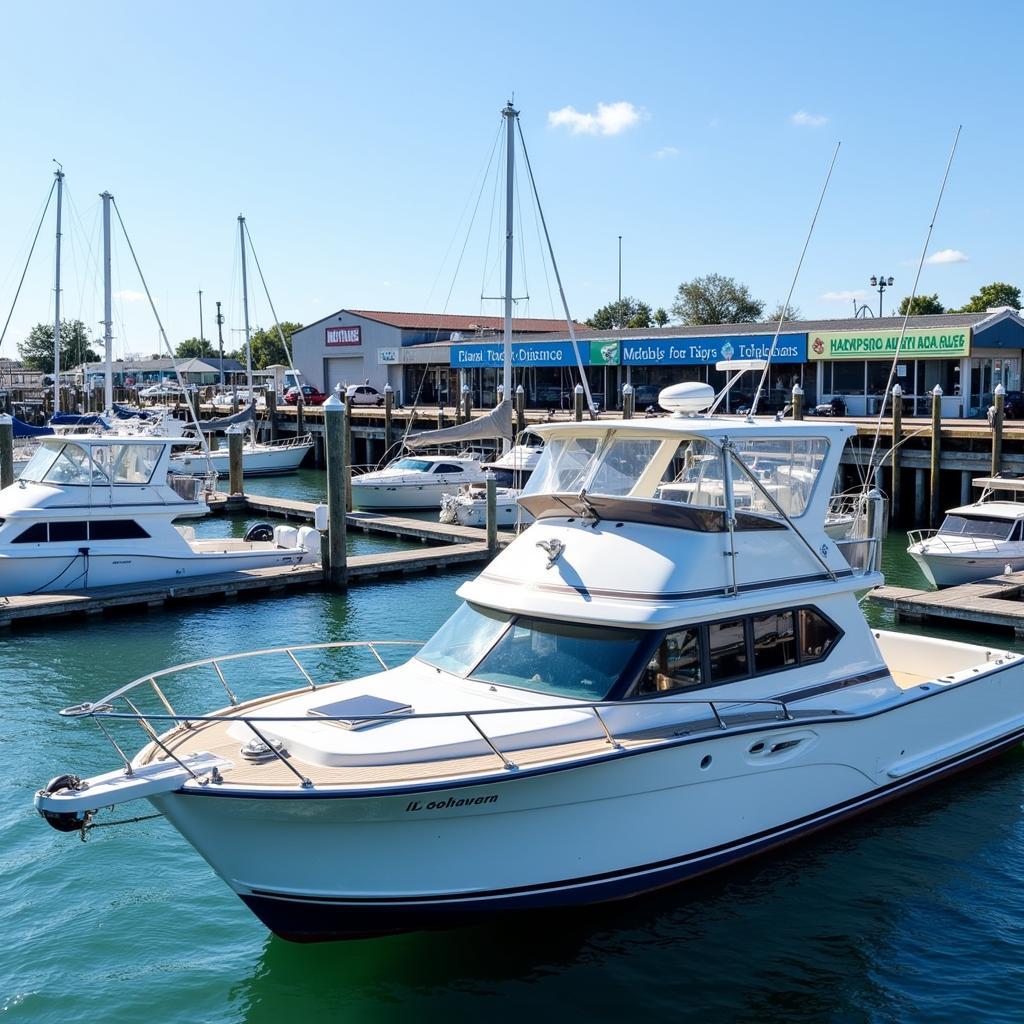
963,541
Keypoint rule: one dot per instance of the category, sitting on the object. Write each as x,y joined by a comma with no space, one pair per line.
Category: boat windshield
40,463
70,465
413,465
976,526
464,639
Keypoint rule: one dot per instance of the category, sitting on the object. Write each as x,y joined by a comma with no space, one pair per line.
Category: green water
912,914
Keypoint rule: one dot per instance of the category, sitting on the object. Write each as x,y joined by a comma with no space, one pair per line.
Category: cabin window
694,476
135,463
464,639
447,467
675,665
116,529
621,464
560,658
774,636
35,534
63,531
562,467
976,526
413,465
817,634
785,468
727,650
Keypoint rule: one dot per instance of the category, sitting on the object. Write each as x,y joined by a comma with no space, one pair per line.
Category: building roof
449,321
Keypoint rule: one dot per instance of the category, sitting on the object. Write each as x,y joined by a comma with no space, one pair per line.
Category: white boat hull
321,866
473,512
259,461
946,569
408,496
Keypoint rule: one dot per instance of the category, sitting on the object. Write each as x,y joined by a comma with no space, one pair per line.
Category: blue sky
354,137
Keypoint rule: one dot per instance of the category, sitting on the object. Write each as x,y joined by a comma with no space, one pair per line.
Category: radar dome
690,397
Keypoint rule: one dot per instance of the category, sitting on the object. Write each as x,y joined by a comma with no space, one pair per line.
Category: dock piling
935,496
349,453
6,451
492,512
997,416
577,403
628,401
335,415
520,409
271,400
894,455
798,402
389,405
235,439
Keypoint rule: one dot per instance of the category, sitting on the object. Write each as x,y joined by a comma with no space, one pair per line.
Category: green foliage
267,348
999,293
194,348
785,313
36,350
660,316
626,312
922,305
716,299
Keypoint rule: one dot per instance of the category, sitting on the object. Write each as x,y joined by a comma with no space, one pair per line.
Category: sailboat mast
56,301
108,337
510,115
245,306
220,343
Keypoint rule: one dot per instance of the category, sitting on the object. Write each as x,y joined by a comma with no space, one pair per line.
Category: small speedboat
93,511
644,686
414,482
259,458
976,541
468,506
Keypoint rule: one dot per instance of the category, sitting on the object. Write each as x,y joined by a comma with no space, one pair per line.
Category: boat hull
271,461
388,497
328,866
950,570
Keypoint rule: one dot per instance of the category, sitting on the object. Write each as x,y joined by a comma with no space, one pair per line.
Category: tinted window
817,634
67,531
33,535
675,665
116,529
447,467
774,641
727,650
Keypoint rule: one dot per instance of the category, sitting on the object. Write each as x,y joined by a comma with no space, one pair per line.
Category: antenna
785,305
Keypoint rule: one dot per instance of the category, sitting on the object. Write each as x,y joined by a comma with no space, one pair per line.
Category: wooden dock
37,608
995,603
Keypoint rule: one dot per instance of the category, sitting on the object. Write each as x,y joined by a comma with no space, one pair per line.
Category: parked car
1013,405
645,395
310,395
363,394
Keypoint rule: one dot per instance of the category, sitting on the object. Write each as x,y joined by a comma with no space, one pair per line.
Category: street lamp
881,283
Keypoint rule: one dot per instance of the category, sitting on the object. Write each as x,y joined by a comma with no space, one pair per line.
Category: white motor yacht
414,482
468,506
259,458
976,541
649,683
93,511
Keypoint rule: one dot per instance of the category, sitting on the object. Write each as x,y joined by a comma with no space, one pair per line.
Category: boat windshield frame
955,519
96,472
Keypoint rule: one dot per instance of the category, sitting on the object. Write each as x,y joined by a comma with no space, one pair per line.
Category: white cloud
130,296
947,256
845,296
805,120
665,152
610,119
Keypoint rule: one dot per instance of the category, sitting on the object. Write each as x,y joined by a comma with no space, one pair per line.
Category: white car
363,394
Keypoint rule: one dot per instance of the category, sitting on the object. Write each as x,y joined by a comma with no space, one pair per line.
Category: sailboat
259,458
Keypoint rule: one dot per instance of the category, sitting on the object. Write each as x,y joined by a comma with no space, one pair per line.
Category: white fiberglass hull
390,496
54,573
320,865
946,568
271,460
473,511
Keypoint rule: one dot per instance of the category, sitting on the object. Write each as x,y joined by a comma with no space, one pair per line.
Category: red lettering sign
344,335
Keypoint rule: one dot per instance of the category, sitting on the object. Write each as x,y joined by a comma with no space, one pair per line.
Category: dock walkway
994,603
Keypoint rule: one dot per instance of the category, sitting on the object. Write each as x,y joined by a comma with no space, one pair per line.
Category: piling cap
1000,390
627,389
578,389
937,390
797,390
387,388
334,404
897,391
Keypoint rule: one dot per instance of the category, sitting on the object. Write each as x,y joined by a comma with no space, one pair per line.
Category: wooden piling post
997,429
212,441
270,396
440,417
896,451
336,565
492,512
577,403
300,416
6,451
520,409
628,401
935,497
389,404
798,402
467,404
235,441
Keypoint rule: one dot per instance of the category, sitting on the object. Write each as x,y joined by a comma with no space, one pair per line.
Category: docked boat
94,510
468,506
259,458
976,541
415,482
650,682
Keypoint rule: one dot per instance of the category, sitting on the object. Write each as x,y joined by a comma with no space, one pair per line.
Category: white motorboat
93,511
414,482
647,684
259,458
976,541
468,507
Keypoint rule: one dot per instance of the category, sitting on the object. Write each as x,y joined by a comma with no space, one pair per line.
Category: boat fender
309,540
65,821
259,531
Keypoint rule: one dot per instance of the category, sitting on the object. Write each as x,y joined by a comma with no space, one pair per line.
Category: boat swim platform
45,609
996,603
291,509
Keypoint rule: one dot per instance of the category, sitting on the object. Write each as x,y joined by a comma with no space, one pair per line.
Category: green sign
604,353
921,343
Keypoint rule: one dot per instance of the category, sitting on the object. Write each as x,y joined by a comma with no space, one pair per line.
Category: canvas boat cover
497,423
242,416
23,429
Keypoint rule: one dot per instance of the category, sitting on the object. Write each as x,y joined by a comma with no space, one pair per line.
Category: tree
921,306
194,348
267,348
660,316
36,350
626,312
989,296
791,313
716,299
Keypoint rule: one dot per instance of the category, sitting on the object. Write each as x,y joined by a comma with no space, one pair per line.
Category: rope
88,826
